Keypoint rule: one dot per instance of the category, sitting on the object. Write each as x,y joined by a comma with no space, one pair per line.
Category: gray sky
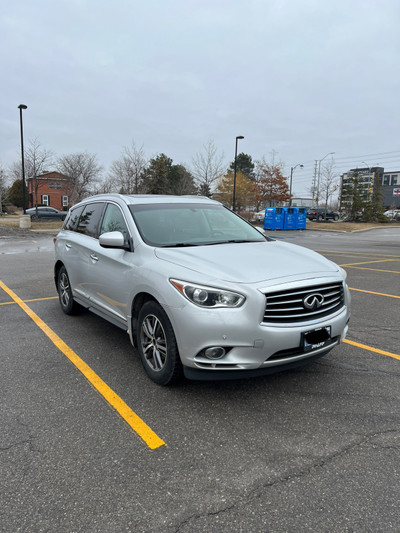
297,78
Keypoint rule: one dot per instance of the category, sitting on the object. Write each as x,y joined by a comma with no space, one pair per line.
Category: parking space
316,449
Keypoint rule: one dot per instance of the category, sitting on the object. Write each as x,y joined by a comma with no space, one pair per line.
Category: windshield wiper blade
179,245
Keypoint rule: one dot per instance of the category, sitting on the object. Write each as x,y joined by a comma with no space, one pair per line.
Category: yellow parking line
132,419
31,300
355,254
369,262
377,293
373,269
371,349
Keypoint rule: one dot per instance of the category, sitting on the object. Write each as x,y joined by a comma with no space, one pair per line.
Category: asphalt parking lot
89,444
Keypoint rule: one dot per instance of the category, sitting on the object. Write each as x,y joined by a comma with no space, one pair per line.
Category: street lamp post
21,107
291,178
234,172
319,174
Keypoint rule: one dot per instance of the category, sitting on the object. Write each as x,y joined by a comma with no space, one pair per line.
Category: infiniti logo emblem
313,301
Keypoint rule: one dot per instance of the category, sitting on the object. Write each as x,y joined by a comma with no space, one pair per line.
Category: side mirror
112,239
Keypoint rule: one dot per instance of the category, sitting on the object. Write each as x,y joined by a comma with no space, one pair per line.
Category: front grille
288,306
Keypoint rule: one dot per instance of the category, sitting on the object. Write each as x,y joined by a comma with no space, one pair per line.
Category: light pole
291,178
21,107
234,172
319,174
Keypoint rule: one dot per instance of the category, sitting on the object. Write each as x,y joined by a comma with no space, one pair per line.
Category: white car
259,217
392,213
199,290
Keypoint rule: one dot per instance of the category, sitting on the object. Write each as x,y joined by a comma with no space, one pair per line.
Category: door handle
94,257
67,245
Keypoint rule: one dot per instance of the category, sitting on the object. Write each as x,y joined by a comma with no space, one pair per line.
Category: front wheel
67,302
157,345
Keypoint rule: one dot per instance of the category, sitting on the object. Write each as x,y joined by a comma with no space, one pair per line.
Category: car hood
249,262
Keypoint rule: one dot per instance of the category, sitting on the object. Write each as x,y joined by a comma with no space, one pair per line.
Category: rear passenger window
90,218
71,222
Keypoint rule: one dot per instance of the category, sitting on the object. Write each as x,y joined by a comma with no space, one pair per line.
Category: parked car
320,213
392,213
46,213
259,217
200,291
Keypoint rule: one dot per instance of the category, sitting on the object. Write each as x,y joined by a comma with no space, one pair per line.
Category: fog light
215,352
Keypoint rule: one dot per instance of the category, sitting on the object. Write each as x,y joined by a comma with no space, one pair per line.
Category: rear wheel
320,217
336,218
157,345
67,302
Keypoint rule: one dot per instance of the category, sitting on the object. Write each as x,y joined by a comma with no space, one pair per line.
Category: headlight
208,296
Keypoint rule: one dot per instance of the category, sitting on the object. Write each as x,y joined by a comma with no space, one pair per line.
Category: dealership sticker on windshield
316,338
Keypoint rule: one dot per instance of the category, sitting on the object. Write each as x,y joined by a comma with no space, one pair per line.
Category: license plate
316,338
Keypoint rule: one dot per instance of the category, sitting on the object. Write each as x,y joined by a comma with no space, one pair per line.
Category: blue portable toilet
290,218
302,218
274,217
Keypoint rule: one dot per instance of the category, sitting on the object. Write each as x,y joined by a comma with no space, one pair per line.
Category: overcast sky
297,78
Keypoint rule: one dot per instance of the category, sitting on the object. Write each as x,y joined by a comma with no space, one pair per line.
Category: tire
157,345
335,218
320,217
67,302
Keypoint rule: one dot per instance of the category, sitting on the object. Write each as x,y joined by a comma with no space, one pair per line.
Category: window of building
386,179
65,201
394,180
45,199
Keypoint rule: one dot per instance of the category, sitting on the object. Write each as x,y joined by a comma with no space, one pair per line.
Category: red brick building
50,188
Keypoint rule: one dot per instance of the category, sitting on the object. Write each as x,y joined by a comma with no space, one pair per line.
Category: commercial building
49,188
388,181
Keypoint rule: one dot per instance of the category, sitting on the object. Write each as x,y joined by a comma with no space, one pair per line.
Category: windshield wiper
179,245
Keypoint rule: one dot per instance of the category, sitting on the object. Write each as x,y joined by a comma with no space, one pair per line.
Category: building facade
389,183
50,188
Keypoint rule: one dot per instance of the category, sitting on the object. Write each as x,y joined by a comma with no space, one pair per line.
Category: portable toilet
302,218
290,218
274,217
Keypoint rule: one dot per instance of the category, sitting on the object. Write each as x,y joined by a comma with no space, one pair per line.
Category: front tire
157,345
67,302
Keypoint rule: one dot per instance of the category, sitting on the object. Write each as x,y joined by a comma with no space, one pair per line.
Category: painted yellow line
362,254
141,428
368,262
373,269
377,293
371,349
31,300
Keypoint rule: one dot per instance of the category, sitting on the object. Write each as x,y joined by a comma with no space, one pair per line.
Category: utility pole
314,187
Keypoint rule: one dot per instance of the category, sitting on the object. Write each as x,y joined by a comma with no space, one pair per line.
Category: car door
81,249
111,268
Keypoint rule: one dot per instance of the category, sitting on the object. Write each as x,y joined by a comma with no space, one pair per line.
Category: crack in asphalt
257,493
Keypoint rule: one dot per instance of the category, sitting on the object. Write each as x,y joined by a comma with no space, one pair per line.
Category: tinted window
90,218
71,222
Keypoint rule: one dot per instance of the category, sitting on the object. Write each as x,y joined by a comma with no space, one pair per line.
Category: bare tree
208,168
36,161
328,184
126,173
83,171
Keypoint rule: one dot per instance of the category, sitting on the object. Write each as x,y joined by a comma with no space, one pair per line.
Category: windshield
175,225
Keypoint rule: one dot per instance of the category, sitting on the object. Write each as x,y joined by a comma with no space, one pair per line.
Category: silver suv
200,291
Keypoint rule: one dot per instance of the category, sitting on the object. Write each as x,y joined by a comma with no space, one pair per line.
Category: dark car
320,213
46,213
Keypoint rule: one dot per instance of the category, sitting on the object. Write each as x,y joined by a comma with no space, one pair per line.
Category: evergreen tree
244,164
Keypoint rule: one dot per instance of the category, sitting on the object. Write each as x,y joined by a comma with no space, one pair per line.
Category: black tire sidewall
172,371
71,308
